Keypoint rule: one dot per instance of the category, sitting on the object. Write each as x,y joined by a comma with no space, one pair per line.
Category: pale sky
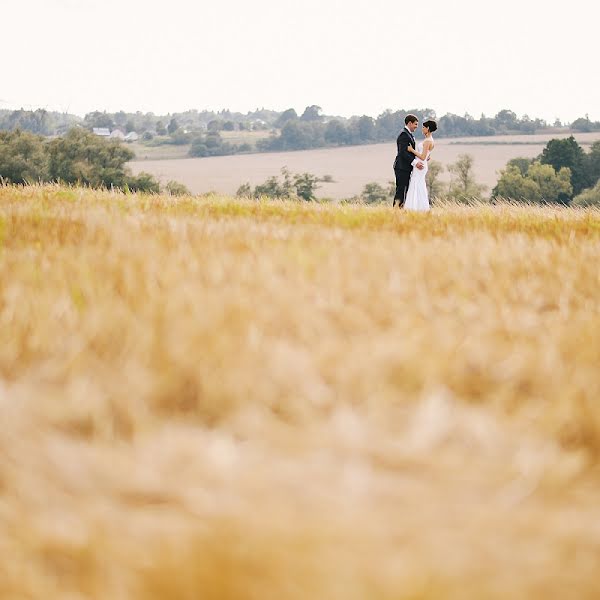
536,57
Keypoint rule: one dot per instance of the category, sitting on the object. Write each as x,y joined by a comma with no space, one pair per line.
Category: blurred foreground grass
225,399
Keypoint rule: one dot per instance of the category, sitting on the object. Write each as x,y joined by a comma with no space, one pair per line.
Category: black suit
402,165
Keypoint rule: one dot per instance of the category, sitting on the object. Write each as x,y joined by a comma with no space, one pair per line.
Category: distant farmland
351,167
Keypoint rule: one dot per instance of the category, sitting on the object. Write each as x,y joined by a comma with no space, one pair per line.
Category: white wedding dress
417,197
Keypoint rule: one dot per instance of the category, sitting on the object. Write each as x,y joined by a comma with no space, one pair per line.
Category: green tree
336,133
215,125
583,125
521,163
120,118
554,186
199,148
541,183
82,158
311,113
294,136
39,121
300,186
514,185
306,185
173,126
99,119
506,120
366,129
273,188
180,138
160,128
23,157
286,116
210,145
592,161
463,186
389,124
568,153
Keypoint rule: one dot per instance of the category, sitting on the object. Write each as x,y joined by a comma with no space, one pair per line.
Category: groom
403,163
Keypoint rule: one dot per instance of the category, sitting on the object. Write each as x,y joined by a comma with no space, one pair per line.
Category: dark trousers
402,180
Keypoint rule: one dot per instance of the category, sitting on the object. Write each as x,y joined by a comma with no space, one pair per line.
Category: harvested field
351,167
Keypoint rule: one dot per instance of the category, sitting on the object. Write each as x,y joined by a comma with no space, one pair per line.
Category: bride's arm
423,155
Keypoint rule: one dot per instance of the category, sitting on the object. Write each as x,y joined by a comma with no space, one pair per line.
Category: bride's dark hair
431,125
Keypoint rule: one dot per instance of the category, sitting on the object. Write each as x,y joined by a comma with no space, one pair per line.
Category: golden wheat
226,399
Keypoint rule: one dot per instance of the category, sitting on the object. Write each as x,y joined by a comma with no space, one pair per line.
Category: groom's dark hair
410,119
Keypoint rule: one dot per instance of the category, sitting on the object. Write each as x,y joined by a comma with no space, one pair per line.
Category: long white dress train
417,197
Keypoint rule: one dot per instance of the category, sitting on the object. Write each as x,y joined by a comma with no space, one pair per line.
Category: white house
101,131
117,134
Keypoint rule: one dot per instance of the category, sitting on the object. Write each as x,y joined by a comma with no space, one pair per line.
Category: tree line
41,121
202,130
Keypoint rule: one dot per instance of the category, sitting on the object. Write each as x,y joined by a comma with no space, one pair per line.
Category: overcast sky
536,57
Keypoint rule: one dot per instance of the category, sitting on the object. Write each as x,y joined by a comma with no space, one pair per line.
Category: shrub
589,197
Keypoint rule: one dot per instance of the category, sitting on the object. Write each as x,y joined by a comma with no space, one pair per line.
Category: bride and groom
410,166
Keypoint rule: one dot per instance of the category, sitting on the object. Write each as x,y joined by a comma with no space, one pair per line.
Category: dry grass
220,399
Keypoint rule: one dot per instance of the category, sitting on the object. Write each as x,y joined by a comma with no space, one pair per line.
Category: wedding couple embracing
410,166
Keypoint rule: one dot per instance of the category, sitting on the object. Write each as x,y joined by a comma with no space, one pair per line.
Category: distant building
132,136
101,131
117,134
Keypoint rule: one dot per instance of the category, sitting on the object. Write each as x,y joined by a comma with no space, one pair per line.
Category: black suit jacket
404,158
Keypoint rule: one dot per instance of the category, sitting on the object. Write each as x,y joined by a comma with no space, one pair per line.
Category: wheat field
219,399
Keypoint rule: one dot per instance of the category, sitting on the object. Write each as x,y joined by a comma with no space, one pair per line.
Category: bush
198,148
299,186
211,145
143,182
244,191
589,197
180,138
374,193
174,188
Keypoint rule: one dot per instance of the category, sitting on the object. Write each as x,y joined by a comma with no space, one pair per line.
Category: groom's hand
420,166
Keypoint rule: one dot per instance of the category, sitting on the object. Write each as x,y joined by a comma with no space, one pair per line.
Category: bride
416,196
